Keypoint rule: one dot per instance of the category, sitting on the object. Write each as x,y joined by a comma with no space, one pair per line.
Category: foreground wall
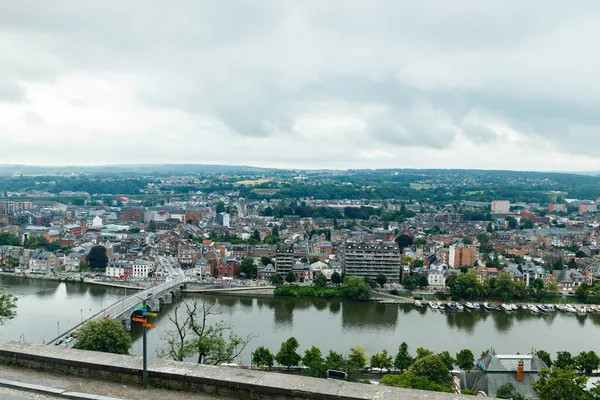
225,381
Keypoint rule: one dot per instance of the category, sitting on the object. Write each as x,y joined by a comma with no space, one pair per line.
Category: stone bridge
122,310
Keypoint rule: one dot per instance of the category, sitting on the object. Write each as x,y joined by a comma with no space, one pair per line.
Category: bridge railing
124,304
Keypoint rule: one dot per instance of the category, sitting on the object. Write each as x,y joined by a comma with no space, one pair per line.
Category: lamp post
58,327
82,315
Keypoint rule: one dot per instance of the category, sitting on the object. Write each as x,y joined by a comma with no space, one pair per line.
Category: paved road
13,394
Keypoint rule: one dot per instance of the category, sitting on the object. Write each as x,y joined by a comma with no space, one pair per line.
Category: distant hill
6,169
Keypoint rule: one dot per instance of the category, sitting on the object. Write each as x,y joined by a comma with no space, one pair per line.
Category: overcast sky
327,84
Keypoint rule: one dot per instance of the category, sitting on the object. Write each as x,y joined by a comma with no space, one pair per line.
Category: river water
327,324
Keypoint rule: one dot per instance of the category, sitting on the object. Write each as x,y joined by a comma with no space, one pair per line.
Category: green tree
335,360
582,293
512,222
483,238
465,359
287,355
8,306
255,235
248,268
490,227
358,357
336,278
422,352
290,277
433,368
586,362
106,335
320,280
508,391
152,226
409,283
403,358
416,264
275,232
561,384
266,260
381,360
262,357
423,281
564,360
220,207
447,360
276,280
356,288
505,286
572,264
82,266
97,259
545,357
381,279
312,356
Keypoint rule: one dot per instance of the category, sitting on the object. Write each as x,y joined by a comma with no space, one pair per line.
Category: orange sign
142,320
151,326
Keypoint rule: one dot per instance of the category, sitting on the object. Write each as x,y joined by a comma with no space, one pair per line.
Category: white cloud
341,84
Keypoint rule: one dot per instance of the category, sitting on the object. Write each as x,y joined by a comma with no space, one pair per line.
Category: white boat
418,303
470,305
460,307
489,306
507,307
582,310
433,305
514,307
570,308
440,305
533,308
477,306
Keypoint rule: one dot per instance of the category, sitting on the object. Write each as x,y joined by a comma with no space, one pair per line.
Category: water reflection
373,315
335,305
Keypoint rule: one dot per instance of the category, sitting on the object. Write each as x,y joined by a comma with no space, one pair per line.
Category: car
107,316
70,339
58,342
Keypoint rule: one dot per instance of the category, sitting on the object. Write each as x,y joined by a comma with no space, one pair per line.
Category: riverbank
56,278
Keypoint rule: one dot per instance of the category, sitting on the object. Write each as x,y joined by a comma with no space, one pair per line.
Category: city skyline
335,86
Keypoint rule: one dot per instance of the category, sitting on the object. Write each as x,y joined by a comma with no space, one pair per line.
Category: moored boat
543,308
506,307
533,308
433,305
418,303
489,306
469,305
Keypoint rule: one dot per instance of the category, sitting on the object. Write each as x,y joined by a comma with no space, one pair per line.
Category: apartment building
462,255
500,207
10,207
284,259
369,259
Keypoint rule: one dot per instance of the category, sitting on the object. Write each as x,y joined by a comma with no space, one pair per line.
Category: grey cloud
261,64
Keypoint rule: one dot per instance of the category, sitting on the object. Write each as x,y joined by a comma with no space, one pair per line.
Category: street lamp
58,327
82,315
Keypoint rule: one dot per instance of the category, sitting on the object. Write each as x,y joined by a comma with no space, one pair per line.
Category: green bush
307,291
409,380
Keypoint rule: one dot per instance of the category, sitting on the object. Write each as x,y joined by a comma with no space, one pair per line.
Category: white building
141,268
500,207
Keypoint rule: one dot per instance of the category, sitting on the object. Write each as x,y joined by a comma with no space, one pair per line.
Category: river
327,324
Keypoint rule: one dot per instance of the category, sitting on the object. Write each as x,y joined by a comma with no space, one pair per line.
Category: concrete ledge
85,396
30,387
227,381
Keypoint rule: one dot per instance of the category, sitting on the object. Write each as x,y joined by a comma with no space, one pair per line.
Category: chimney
520,372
